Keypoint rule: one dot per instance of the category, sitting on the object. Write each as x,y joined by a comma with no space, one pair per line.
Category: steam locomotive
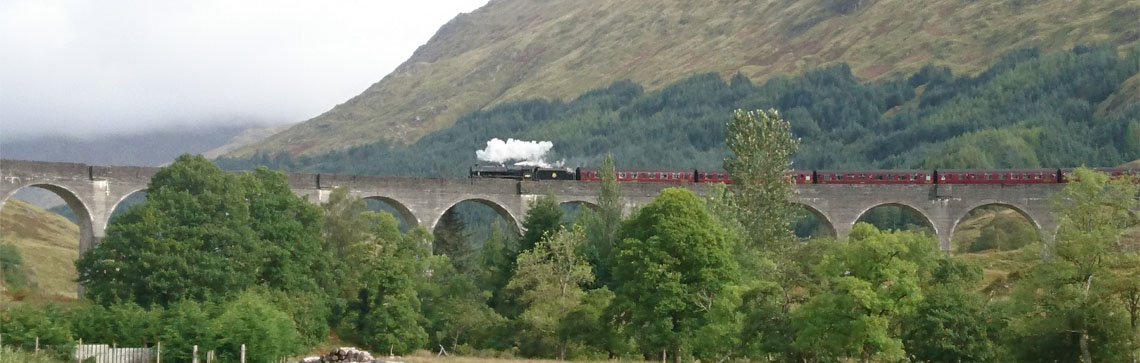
938,176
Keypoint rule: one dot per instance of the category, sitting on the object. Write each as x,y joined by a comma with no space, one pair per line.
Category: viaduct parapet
94,191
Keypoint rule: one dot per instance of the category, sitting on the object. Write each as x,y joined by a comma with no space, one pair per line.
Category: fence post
158,353
37,345
78,349
243,353
195,353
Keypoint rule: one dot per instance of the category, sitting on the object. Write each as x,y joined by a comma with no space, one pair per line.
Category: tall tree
677,272
344,223
289,229
762,147
1070,306
386,313
455,308
451,238
191,239
543,217
203,234
757,210
495,264
549,281
602,226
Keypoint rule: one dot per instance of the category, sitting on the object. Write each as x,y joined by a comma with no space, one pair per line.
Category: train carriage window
989,176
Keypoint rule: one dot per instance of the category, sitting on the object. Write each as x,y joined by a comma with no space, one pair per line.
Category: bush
185,324
12,268
251,319
20,324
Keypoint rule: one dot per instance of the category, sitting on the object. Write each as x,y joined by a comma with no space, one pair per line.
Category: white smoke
521,153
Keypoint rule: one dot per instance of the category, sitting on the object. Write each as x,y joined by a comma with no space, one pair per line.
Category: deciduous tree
762,147
868,287
549,281
602,225
1070,307
677,275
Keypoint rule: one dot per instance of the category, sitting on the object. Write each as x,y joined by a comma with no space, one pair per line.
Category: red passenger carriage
874,177
1026,176
645,176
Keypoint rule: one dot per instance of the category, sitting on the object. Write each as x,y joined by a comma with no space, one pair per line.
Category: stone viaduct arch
823,218
94,191
512,218
404,213
907,207
1043,233
116,205
78,206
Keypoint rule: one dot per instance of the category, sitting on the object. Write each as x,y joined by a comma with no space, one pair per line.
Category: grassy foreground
9,355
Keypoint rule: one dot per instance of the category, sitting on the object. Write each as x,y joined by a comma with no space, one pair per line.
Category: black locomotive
521,172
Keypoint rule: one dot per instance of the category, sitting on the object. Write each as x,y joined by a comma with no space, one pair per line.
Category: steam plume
523,153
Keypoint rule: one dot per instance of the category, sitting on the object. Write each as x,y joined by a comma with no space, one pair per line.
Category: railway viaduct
94,191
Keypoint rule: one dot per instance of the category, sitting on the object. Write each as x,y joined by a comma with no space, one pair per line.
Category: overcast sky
91,67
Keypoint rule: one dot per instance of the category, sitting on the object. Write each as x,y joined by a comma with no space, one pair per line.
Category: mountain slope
515,49
48,242
1028,110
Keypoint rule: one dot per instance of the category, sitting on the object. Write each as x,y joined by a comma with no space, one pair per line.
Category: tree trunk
454,342
1086,357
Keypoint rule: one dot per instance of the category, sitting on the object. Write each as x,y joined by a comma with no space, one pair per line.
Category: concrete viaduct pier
94,191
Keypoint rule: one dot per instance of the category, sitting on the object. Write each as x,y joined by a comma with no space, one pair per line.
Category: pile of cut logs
344,355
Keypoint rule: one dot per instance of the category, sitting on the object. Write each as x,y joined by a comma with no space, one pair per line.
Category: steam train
938,176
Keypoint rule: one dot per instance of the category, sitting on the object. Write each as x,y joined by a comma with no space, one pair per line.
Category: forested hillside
511,50
1029,109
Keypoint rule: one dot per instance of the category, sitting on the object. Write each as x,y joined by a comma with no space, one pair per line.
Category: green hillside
519,49
48,244
1027,110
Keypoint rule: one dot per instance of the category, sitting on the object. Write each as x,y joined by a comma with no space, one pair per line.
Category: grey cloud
88,67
